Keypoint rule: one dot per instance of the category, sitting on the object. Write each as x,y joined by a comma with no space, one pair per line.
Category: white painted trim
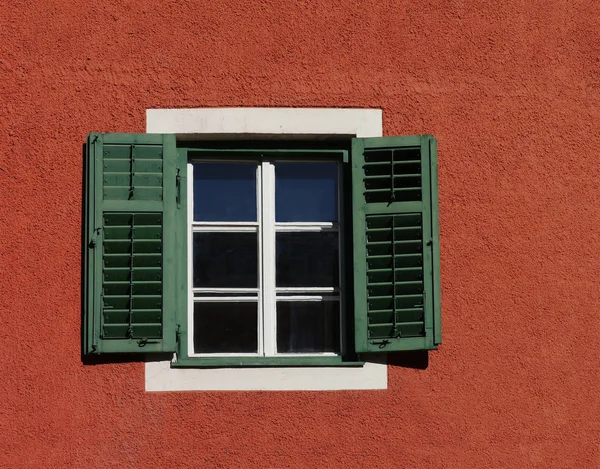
266,121
161,377
319,298
224,229
306,224
259,220
305,228
190,266
226,290
268,259
226,223
225,299
230,123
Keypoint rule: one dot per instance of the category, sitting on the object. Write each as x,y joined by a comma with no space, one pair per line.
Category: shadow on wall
417,359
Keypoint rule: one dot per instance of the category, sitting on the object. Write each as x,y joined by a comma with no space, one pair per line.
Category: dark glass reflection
225,260
307,259
224,191
306,192
308,326
225,328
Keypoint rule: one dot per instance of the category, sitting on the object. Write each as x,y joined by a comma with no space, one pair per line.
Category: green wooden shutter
130,235
396,244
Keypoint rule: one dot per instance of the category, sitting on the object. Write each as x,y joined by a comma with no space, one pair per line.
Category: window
245,287
265,263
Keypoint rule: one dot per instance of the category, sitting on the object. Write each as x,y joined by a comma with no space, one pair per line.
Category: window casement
232,256
265,264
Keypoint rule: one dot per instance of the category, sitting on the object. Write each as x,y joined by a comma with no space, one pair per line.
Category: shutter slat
397,331
138,331
398,177
397,189
393,236
402,315
124,166
386,161
141,316
115,274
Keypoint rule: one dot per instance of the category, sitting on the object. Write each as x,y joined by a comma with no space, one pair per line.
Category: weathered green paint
359,240
181,270
167,327
427,239
170,229
229,362
392,142
407,329
258,154
185,154
129,139
121,220
435,237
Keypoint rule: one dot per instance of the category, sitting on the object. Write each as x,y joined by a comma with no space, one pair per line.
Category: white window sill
161,377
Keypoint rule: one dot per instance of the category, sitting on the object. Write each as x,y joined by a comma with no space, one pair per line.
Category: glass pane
308,326
225,328
307,259
226,260
306,192
225,191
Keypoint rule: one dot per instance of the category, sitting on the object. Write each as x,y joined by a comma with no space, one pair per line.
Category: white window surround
231,123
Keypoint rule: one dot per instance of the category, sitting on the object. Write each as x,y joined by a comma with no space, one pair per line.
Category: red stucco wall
511,91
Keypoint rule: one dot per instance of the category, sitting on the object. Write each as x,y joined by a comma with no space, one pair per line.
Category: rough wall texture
511,91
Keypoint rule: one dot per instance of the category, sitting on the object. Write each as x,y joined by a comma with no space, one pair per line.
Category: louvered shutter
130,235
396,244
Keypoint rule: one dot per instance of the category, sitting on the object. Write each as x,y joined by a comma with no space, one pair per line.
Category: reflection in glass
226,327
306,192
225,260
307,259
224,191
308,326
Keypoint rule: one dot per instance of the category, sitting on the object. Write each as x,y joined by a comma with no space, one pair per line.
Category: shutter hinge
144,340
131,172
178,333
178,187
381,343
92,243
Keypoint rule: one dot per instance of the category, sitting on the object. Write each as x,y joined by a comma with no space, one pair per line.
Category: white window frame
266,294
265,123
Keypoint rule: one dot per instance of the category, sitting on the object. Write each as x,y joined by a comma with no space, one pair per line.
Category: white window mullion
190,257
259,220
268,258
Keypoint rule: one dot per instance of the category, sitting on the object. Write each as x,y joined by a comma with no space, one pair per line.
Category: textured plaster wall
512,91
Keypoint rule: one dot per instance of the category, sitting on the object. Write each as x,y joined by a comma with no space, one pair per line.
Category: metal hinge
178,187
144,340
381,343
92,243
